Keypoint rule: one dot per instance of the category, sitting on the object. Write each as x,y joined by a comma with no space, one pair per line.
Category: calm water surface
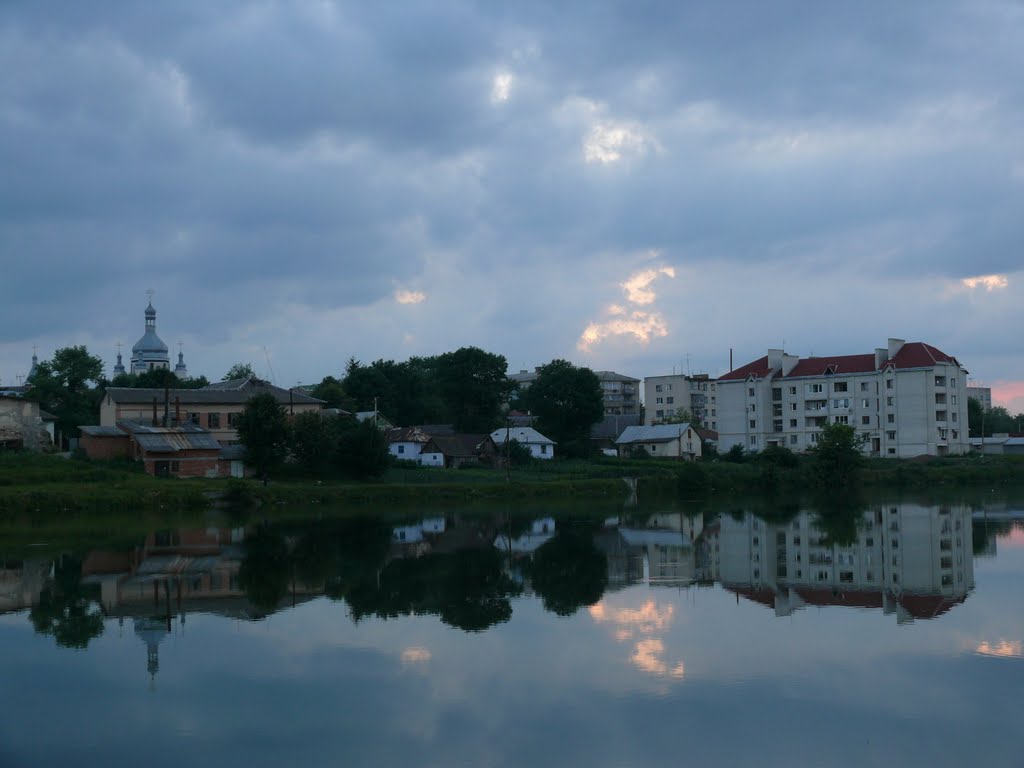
891,636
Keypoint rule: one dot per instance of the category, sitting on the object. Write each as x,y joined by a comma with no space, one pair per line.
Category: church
150,352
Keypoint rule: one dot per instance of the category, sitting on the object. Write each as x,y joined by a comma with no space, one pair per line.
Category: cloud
988,282
410,297
501,87
640,324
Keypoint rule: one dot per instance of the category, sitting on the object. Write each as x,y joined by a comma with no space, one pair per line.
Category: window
891,418
940,381
953,416
659,400
659,414
814,388
839,386
753,407
792,439
940,398
401,449
657,387
777,425
714,425
753,423
753,439
891,451
792,406
841,402
792,390
863,386
544,448
792,423
815,436
776,393
890,435
194,418
888,401
712,399
669,400
865,421
888,383
669,387
713,412
865,403
952,399
750,391
213,420
842,419
940,415
233,419
654,448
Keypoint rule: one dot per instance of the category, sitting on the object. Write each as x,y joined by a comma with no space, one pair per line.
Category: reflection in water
1005,648
906,559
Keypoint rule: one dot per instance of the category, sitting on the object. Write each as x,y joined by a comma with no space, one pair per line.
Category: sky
632,186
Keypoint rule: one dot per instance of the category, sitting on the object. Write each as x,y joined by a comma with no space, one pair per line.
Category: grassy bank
43,486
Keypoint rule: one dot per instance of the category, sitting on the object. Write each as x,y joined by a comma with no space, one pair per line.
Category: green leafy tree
567,402
263,430
735,454
239,371
474,386
838,456
975,417
313,440
331,391
682,416
70,386
362,451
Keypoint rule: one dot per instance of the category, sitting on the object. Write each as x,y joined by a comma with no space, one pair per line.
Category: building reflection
906,559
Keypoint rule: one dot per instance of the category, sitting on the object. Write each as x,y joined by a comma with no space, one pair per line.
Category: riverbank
46,485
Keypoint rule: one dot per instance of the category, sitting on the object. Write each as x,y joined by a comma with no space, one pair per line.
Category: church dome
150,351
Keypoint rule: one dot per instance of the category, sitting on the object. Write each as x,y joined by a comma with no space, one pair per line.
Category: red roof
758,368
840,364
928,606
917,354
851,598
762,595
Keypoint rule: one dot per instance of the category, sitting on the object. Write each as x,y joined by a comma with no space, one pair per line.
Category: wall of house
102,447
407,450
205,464
20,422
659,391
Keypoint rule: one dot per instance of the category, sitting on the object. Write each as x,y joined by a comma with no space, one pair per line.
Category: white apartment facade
666,397
905,400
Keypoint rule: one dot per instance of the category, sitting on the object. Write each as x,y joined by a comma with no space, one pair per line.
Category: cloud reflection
1003,648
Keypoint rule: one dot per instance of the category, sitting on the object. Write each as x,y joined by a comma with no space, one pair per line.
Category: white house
675,441
407,442
905,400
540,447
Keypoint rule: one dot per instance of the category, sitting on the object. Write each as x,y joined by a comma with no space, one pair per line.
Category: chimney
881,355
730,358
177,411
895,345
154,412
774,359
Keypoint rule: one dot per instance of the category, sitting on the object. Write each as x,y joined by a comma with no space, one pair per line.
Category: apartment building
905,400
982,394
665,397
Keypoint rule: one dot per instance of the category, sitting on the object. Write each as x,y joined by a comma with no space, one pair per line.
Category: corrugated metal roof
654,433
97,431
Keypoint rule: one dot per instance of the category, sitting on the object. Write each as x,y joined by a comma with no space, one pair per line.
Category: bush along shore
47,485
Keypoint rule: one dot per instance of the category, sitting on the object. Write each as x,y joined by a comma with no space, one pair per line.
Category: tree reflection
66,609
569,572
840,517
467,589
266,569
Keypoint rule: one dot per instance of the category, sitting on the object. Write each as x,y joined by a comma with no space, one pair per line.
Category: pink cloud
1010,395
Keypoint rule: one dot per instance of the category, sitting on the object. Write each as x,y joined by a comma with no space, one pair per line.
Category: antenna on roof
273,379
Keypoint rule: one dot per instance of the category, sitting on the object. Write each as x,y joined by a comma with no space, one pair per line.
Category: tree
240,371
362,451
66,609
567,402
474,386
266,568
681,416
331,391
313,440
69,386
263,430
975,417
838,455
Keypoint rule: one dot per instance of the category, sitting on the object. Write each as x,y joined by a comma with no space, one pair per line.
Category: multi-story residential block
905,400
666,397
983,395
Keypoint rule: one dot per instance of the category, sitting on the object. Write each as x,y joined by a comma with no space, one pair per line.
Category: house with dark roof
905,399
214,407
185,450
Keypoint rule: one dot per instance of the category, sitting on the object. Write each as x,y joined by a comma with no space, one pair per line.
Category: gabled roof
524,435
187,437
917,354
222,392
654,433
454,446
757,368
837,365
